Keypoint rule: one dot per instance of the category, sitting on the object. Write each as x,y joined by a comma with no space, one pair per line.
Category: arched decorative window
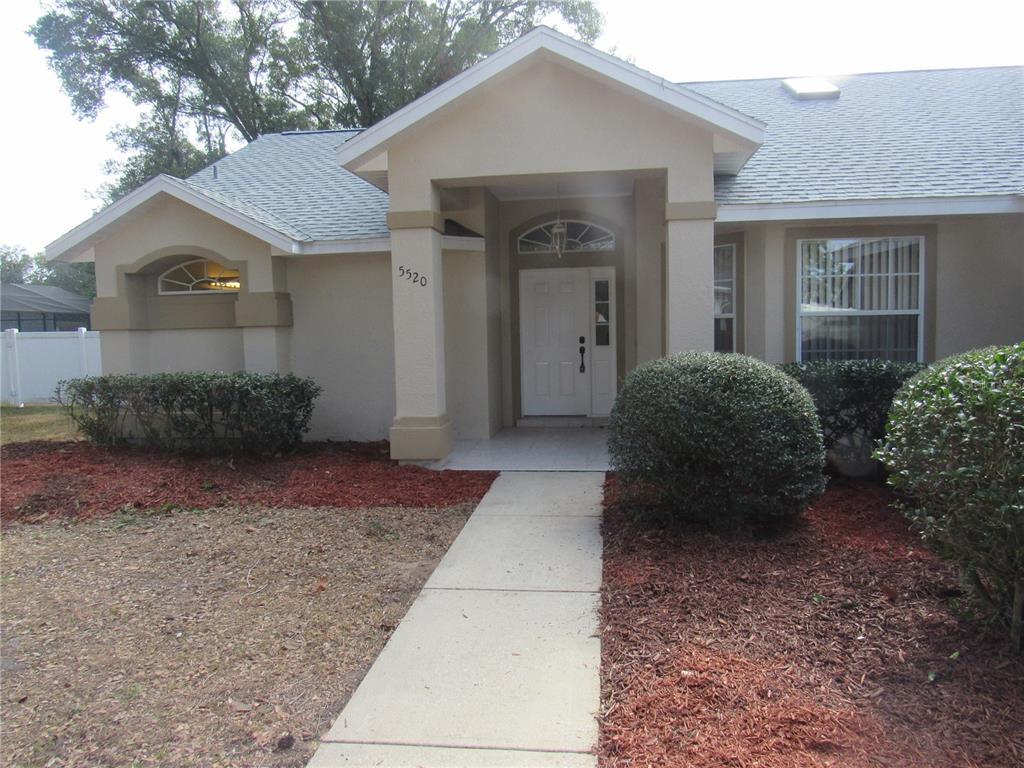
199,276
576,236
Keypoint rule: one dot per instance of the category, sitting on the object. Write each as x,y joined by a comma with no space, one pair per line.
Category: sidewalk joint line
501,589
498,514
457,746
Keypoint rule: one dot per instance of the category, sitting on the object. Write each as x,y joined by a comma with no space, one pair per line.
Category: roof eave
82,237
961,205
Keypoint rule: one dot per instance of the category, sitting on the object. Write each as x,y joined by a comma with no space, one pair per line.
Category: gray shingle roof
15,297
889,135
292,183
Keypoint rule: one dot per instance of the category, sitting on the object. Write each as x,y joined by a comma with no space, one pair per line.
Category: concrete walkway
496,664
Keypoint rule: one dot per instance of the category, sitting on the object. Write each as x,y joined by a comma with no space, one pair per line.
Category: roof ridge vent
807,88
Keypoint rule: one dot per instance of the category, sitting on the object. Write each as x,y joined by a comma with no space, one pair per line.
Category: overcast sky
52,162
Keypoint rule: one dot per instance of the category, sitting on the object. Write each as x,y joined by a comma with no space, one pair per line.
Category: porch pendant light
559,230
559,237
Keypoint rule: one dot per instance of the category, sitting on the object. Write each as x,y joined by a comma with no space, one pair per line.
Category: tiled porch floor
536,449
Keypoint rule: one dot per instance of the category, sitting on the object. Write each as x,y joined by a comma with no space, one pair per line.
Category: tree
17,266
372,58
199,71
207,70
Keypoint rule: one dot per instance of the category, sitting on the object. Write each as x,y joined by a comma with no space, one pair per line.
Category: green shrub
719,438
852,398
955,447
257,413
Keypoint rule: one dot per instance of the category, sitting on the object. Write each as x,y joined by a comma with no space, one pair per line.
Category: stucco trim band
166,313
263,309
416,220
707,209
420,438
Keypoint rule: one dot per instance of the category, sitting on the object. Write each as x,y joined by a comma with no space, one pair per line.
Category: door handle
583,349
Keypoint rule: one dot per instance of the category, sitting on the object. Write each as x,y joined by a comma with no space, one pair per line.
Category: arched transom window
199,276
578,236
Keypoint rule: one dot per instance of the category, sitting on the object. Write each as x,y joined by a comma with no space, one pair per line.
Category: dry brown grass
35,422
200,638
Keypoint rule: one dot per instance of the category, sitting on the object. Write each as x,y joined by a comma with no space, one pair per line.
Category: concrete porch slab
523,553
483,669
539,449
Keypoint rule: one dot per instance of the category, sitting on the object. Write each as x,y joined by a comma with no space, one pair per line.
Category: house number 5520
415,277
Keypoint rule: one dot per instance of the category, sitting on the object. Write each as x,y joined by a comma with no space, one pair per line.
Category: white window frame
727,315
607,233
188,291
920,311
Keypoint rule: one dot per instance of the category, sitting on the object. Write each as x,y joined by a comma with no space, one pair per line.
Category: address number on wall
414,277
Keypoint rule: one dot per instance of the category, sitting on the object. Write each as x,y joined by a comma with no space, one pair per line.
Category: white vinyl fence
33,363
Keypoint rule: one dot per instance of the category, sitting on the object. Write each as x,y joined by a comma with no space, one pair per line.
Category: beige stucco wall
195,349
980,275
467,339
342,336
543,118
649,221
974,279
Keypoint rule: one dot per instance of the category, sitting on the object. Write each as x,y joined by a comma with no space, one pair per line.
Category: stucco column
422,428
689,277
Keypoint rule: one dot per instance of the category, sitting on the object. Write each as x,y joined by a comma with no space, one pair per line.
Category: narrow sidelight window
725,298
602,314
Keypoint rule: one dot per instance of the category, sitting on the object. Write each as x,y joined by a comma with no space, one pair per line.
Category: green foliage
207,70
17,266
255,413
852,398
955,447
719,438
156,145
375,57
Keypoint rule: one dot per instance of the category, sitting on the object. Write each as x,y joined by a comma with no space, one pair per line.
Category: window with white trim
199,276
860,298
569,236
725,298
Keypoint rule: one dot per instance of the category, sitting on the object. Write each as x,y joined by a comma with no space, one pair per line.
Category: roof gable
736,135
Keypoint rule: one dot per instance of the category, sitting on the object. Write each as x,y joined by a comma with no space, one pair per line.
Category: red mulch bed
44,480
834,644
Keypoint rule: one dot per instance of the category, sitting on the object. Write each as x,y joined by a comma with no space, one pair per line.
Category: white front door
567,340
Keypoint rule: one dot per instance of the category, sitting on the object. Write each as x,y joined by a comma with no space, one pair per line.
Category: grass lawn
34,422
840,643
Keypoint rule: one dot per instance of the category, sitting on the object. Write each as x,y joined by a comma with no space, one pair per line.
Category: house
511,244
42,308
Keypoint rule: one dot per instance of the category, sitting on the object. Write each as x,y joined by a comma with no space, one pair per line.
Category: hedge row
852,399
256,413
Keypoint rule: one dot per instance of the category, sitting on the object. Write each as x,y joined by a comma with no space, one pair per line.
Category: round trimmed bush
719,438
955,446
